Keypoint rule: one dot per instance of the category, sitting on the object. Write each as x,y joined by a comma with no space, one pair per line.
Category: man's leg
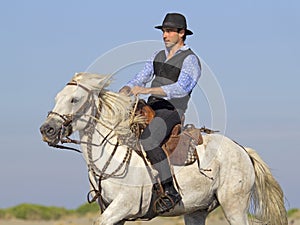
151,139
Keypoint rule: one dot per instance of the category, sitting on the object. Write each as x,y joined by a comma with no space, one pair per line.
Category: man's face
172,36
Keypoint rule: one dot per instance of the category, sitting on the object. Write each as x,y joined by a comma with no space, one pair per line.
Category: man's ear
181,33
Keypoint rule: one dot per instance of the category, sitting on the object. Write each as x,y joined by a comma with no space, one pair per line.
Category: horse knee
102,221
238,220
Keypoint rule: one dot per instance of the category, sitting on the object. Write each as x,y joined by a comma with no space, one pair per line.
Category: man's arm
125,90
188,78
158,91
142,78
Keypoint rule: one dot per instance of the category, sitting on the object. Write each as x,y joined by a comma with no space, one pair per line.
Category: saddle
180,147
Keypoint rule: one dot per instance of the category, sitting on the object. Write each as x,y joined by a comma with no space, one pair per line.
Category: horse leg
234,198
115,213
108,219
195,218
236,214
120,223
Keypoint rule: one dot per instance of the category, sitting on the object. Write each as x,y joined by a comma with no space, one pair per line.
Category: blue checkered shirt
188,77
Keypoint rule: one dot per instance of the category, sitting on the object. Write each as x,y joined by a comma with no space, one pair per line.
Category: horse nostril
50,130
47,130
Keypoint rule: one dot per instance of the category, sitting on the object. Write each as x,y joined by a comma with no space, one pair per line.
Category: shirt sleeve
188,78
144,76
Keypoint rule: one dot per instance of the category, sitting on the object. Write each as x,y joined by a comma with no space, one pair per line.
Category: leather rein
89,130
69,118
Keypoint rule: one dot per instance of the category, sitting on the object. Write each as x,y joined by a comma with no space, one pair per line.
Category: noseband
70,118
95,172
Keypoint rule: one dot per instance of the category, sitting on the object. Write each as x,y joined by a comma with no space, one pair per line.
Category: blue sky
252,47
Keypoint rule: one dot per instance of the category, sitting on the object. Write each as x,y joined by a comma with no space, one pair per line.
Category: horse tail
267,195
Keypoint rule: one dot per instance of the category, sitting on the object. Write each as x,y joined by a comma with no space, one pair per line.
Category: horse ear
102,81
78,76
106,80
93,81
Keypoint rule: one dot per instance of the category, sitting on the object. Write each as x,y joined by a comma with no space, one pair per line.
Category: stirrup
165,203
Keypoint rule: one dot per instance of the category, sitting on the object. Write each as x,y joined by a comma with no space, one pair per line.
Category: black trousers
154,136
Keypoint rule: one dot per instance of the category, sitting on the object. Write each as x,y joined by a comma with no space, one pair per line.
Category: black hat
175,20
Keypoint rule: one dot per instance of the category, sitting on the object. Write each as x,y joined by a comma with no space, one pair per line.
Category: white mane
230,176
116,109
92,81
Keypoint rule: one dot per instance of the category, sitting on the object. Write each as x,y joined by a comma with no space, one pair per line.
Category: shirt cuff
167,91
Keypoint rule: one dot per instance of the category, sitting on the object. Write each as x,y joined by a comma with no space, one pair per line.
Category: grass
39,212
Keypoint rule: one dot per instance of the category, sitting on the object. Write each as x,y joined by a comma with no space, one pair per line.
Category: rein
69,118
89,130
101,173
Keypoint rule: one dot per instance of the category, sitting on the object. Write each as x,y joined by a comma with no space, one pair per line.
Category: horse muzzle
53,131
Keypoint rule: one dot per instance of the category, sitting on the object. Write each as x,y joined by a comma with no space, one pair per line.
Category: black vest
167,72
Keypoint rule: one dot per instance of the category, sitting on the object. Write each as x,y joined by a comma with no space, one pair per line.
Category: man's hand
158,91
136,90
126,90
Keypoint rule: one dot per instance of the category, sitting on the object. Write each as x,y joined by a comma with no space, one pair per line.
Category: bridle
68,119
90,128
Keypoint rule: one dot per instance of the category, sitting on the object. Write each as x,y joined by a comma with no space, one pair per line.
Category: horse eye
74,100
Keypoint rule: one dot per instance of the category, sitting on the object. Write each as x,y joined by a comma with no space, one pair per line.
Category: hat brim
187,31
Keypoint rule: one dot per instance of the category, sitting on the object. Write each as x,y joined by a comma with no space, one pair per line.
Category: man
176,71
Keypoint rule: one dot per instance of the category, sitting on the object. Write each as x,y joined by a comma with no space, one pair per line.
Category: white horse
235,177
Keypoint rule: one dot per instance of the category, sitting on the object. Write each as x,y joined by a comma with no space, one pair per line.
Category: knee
156,155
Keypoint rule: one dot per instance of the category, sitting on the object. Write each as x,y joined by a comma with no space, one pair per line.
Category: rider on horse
176,70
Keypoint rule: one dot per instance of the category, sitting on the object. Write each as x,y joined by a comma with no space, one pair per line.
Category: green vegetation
38,212
35,212
293,212
87,208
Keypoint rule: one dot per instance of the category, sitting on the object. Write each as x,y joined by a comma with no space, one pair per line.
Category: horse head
75,107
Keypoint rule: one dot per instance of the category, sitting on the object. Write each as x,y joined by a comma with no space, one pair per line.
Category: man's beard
169,45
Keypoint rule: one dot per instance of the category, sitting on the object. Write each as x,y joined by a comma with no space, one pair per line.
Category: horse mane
116,109
92,81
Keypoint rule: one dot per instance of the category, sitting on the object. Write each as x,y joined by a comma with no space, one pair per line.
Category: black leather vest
167,72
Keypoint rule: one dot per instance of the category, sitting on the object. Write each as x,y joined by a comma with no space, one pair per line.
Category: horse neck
132,169
115,112
110,121
99,146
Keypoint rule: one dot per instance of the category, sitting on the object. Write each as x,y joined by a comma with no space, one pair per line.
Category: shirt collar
183,48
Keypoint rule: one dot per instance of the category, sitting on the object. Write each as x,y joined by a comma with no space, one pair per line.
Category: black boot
168,199
169,196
